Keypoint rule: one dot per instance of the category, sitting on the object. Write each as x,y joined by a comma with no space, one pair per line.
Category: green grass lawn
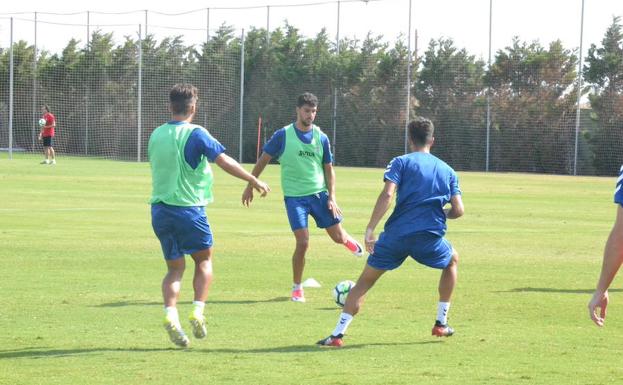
81,274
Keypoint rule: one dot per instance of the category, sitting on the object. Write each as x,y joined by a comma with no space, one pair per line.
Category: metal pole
11,93
86,97
337,50
267,25
578,111
241,94
140,94
408,82
207,24
146,23
34,89
489,91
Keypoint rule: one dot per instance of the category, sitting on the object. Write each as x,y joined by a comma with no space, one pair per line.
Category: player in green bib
308,183
179,152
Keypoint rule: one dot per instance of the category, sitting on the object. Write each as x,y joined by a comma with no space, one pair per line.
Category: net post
140,92
241,95
579,80
11,92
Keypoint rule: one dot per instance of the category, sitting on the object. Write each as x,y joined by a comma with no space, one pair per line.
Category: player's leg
298,263
355,299
52,155
447,282
201,285
298,209
171,285
324,219
45,153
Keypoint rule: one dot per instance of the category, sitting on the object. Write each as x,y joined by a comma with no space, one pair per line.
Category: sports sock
171,314
442,312
351,245
297,286
198,307
342,324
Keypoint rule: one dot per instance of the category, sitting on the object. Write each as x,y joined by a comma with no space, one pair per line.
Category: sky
465,21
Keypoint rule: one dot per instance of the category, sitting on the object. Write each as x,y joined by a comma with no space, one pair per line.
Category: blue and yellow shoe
176,334
198,323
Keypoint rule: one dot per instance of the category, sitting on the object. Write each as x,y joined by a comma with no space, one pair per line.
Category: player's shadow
554,290
210,302
39,352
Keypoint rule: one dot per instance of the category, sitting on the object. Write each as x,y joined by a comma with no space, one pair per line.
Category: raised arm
234,168
260,165
380,208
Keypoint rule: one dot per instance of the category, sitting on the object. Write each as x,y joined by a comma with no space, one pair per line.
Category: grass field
81,274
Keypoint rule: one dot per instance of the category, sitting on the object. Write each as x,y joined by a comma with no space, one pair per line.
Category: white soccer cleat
53,161
198,323
176,334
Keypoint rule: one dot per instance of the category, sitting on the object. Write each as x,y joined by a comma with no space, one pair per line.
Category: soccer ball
341,290
42,122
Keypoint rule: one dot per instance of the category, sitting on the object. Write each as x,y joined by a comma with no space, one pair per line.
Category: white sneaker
53,161
44,162
176,334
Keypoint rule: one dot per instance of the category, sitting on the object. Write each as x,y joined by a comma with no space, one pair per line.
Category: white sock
297,286
198,306
442,312
171,314
342,324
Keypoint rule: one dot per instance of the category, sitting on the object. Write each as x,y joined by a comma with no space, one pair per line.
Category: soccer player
424,185
47,133
612,260
308,183
179,152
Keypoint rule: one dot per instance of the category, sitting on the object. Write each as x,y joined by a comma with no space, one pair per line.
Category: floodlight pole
140,94
86,97
241,94
578,110
146,22
207,25
406,139
487,145
34,88
337,50
11,93
267,25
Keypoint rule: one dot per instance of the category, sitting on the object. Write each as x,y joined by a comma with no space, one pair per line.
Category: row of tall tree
531,90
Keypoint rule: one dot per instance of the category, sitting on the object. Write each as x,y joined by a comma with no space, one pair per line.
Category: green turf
81,274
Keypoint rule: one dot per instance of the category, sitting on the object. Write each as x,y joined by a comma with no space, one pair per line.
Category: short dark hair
182,96
421,131
307,98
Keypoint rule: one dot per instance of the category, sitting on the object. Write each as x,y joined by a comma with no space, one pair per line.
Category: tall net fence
499,102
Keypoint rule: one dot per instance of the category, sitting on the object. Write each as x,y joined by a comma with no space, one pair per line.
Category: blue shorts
428,249
181,230
618,192
299,208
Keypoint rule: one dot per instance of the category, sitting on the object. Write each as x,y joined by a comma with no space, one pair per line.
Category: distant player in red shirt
47,123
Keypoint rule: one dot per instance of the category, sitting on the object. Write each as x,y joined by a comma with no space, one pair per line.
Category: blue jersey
618,192
277,143
425,185
200,143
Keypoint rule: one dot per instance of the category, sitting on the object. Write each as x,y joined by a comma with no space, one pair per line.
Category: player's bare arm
380,208
260,165
329,177
234,168
456,209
